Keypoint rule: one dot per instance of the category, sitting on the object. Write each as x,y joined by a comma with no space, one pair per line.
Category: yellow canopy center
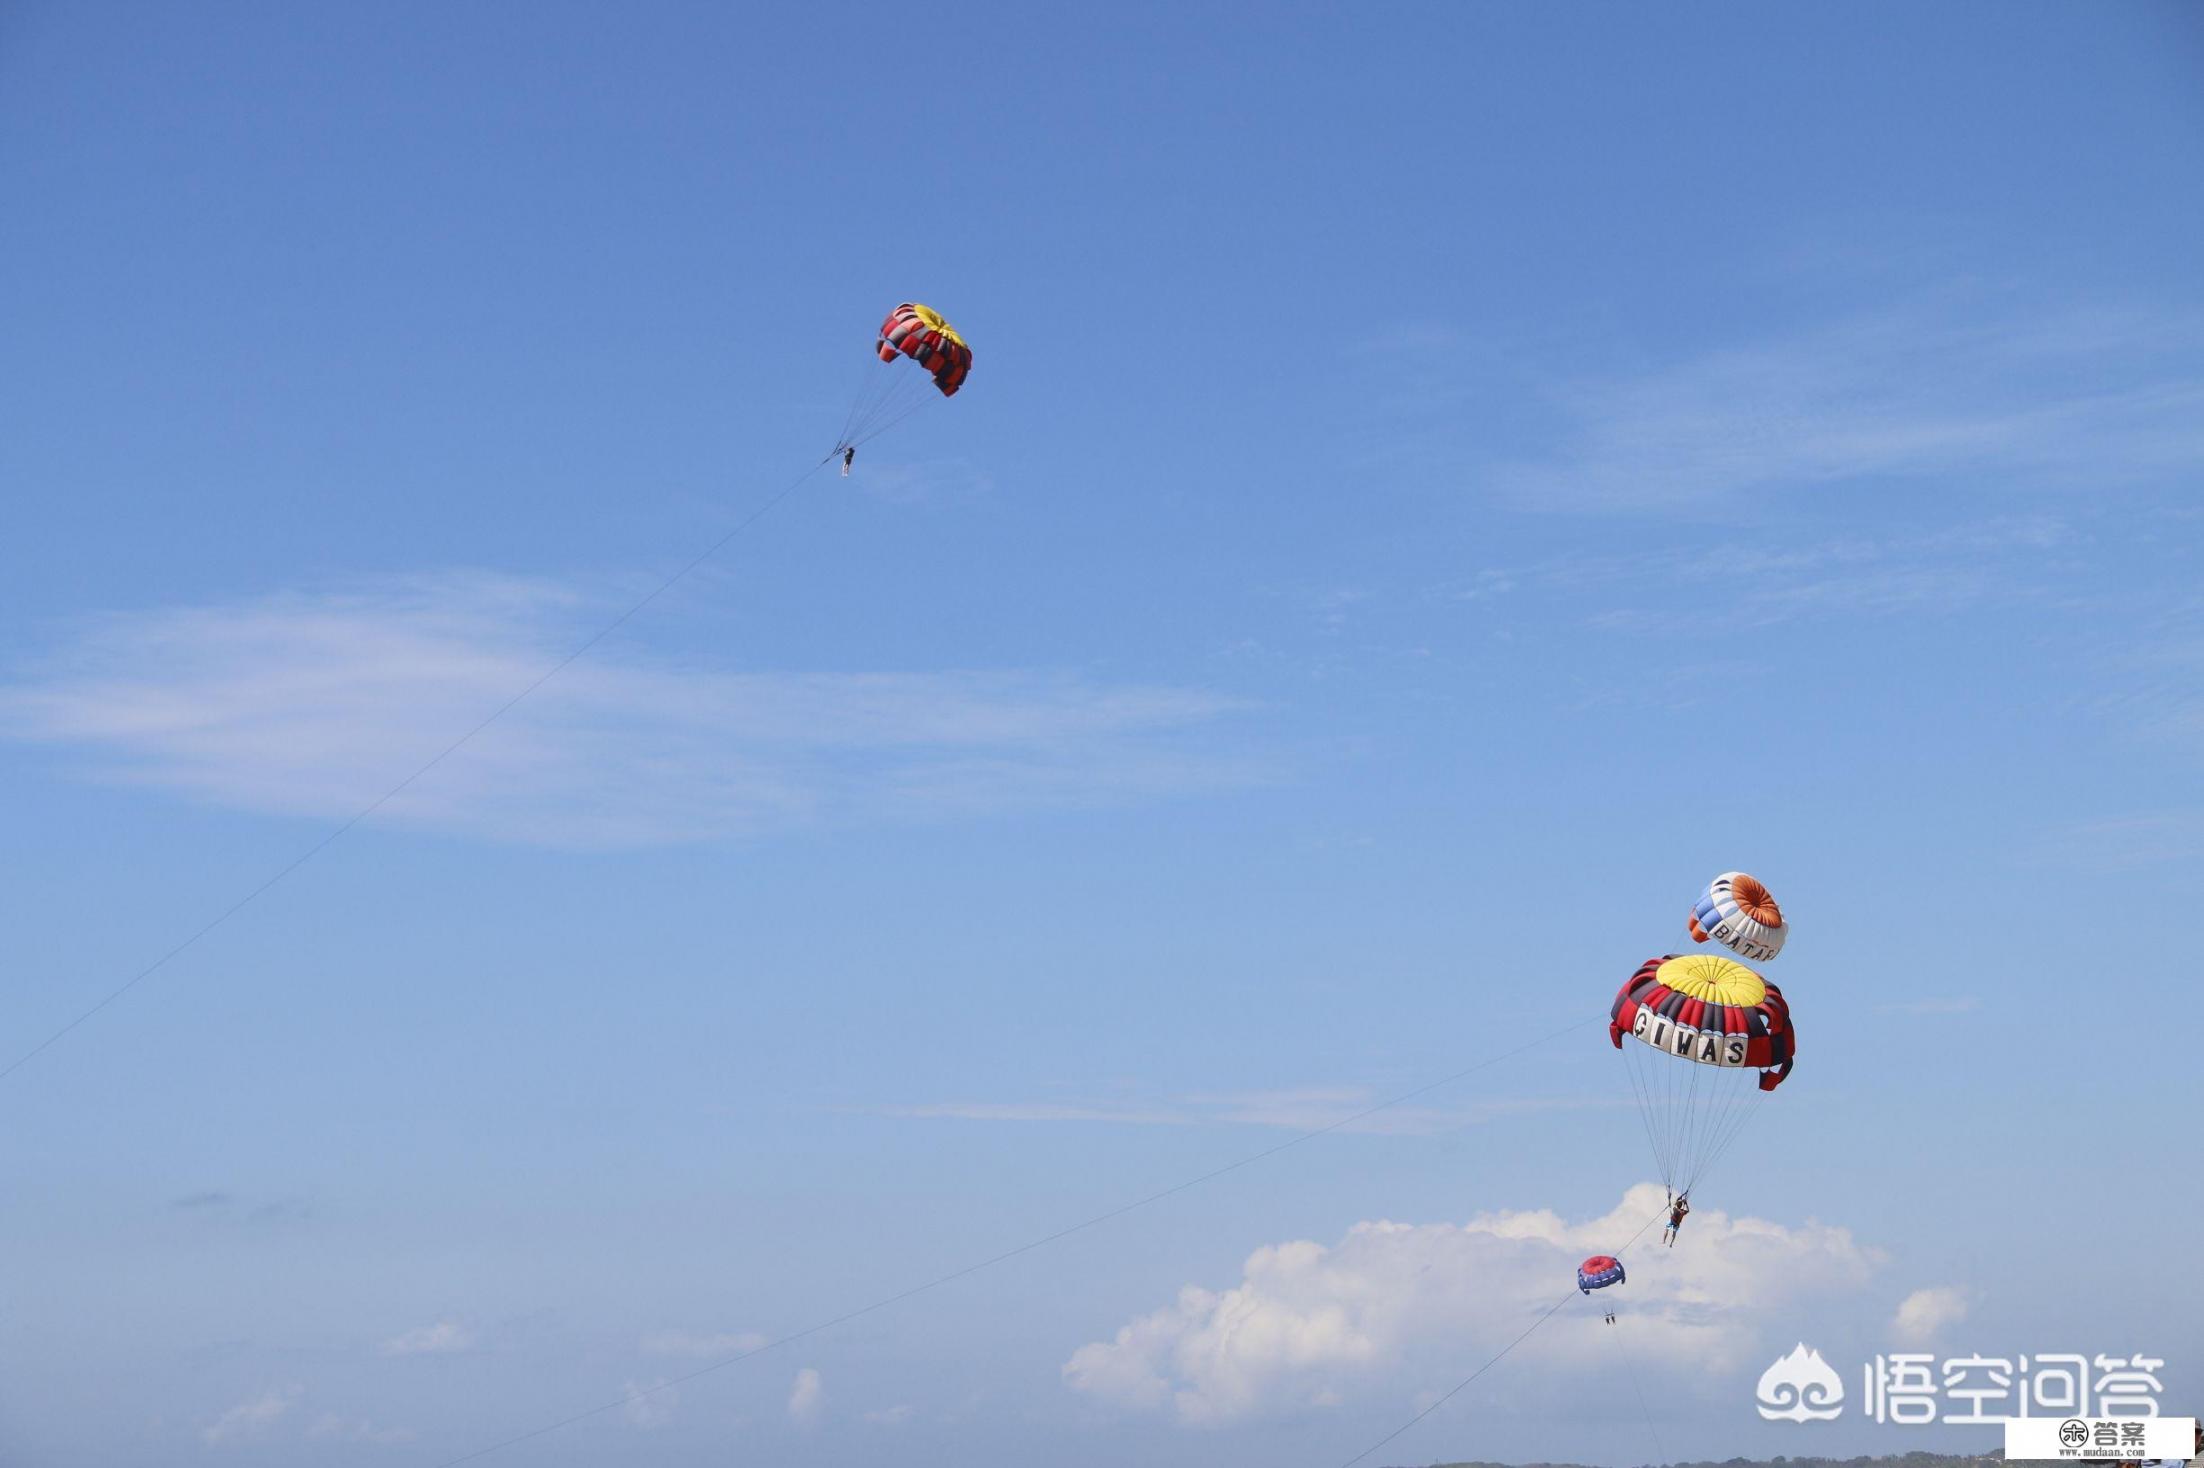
1715,980
934,319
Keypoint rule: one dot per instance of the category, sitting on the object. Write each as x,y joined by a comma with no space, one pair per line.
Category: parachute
912,333
1598,1272
1702,1026
1740,914
919,333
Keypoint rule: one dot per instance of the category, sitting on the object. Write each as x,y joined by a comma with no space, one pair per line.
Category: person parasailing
1678,1209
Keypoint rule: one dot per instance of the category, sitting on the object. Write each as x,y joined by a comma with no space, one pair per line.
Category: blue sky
1437,484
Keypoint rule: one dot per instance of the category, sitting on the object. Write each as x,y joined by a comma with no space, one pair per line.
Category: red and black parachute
921,334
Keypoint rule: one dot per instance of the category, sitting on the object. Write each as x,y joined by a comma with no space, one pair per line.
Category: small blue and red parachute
1598,1272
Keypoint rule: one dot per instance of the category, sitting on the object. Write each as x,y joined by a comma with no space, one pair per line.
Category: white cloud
649,1404
441,1339
1924,1314
894,1416
807,1398
703,1343
1396,1308
250,1418
317,704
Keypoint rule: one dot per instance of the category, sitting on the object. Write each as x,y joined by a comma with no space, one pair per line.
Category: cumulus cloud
250,1418
441,1339
807,1398
1396,1305
1924,1314
317,704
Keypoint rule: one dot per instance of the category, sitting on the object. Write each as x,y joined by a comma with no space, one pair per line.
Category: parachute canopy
1701,1026
1709,1010
1598,1272
888,396
923,335
1740,914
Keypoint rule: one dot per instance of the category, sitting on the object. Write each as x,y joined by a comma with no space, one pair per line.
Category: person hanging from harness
849,457
1678,1207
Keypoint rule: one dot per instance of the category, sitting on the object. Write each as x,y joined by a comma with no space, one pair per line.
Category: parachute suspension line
869,435
1699,1104
1676,1109
1744,1117
1691,1113
866,378
1633,1067
1714,1097
892,393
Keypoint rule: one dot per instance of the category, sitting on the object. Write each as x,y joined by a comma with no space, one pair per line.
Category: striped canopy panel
1598,1272
920,333
1709,1010
1740,914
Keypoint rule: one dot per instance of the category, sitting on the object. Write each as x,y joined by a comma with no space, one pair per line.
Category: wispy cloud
317,704
922,482
444,1338
1293,1109
216,1204
250,1418
702,1343
1989,561
2156,695
2129,841
649,1404
2005,392
331,1427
